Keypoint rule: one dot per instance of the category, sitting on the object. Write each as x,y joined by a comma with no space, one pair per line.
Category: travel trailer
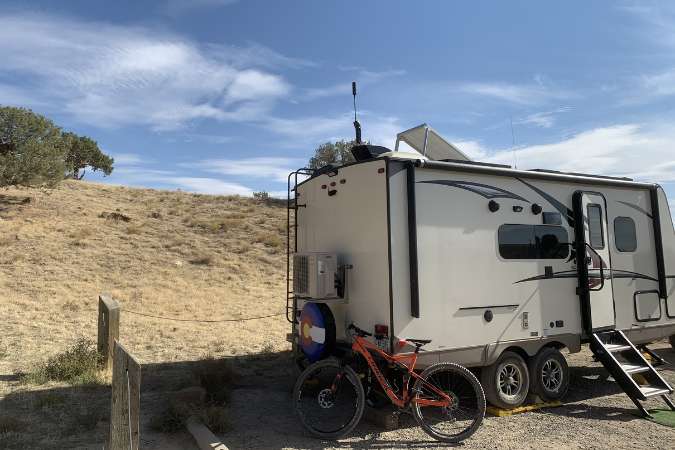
501,268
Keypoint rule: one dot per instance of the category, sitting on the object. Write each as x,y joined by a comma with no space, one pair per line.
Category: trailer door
593,261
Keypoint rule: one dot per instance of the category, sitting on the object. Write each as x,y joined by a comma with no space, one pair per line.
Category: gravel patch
596,415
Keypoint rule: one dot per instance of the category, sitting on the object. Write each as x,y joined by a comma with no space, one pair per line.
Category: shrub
115,216
262,196
9,424
216,376
77,365
31,149
269,239
202,260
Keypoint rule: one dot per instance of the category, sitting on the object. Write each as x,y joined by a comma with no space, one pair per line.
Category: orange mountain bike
446,399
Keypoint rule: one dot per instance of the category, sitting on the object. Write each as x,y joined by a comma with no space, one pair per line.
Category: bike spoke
324,410
460,415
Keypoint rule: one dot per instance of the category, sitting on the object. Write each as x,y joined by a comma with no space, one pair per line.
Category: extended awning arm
426,141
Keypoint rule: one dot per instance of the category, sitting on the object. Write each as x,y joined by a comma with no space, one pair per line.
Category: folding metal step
608,346
615,348
633,368
652,391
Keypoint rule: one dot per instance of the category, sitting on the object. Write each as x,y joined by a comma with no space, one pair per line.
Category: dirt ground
192,256
596,414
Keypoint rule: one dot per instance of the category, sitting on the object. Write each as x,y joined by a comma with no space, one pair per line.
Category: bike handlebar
359,331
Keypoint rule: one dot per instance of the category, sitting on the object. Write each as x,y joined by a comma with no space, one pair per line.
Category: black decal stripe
483,190
613,273
564,210
636,207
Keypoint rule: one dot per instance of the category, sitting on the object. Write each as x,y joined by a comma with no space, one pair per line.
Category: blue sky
224,96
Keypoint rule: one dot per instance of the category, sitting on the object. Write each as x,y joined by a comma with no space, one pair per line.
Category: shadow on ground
260,413
593,381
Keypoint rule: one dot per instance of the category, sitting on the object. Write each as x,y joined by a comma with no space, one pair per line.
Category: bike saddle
419,342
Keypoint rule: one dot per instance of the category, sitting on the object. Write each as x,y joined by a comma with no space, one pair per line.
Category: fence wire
178,319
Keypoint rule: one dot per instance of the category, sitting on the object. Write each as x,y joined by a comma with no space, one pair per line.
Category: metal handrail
602,271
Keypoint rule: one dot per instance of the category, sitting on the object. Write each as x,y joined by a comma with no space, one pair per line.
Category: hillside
158,252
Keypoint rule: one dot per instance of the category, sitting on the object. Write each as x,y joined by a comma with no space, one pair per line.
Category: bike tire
466,391
311,383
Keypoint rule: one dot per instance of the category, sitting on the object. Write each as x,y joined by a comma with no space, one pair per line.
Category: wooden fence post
108,327
126,401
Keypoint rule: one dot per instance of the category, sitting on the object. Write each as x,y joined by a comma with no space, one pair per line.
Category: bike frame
408,361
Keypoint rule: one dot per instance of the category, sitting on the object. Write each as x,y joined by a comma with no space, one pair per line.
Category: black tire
325,414
672,341
464,417
549,374
507,381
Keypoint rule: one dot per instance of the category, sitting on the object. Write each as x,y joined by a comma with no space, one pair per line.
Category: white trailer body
482,258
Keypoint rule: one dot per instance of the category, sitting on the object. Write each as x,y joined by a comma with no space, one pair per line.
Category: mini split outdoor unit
315,275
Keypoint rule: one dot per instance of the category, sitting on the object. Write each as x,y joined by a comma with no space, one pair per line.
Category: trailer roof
533,174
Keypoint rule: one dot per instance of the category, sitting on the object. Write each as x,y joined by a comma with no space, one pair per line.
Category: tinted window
551,242
532,242
595,234
625,237
517,242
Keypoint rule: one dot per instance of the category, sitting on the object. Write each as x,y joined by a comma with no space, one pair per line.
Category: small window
625,237
533,242
595,233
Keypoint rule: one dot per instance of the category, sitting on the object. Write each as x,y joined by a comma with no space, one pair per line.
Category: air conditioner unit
315,275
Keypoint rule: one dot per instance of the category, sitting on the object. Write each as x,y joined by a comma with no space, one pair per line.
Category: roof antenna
357,125
513,143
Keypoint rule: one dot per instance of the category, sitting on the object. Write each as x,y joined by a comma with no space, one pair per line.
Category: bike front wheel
329,399
463,416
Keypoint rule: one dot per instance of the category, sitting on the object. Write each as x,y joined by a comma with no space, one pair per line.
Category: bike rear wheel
463,417
329,399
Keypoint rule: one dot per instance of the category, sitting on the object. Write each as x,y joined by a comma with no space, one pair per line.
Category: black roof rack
581,174
475,163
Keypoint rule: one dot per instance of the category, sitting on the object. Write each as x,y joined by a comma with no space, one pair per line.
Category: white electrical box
315,275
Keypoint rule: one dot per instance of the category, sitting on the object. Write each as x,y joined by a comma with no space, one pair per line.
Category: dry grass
178,254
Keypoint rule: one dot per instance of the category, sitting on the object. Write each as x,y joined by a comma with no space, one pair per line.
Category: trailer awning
429,143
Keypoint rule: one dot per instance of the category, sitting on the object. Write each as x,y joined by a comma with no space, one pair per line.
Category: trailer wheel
549,374
507,381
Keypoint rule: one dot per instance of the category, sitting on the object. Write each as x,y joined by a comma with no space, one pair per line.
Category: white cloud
127,159
363,78
144,177
253,84
380,130
209,186
178,7
472,149
108,75
544,119
623,150
310,128
273,168
522,94
661,84
307,131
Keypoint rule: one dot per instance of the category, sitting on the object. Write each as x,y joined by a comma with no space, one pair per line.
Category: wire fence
178,319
